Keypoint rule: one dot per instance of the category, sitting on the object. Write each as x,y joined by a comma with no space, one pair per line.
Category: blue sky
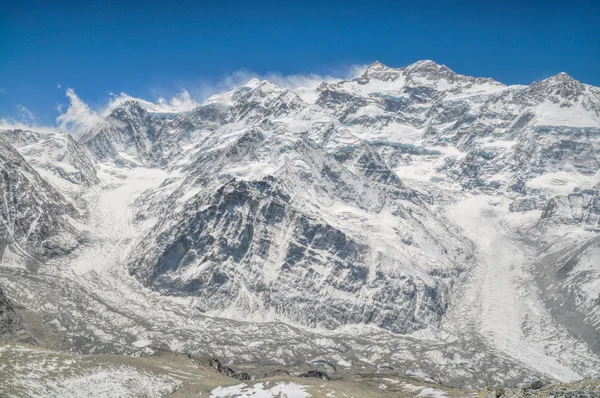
154,49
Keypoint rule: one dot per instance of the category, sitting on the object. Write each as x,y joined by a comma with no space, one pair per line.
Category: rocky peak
128,110
430,69
558,88
256,88
19,137
433,72
261,98
378,71
376,67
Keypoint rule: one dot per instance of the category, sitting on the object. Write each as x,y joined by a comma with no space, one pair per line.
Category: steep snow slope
54,154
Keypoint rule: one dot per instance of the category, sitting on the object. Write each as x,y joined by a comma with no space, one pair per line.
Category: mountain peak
558,86
254,82
376,66
426,67
128,107
425,63
379,71
561,78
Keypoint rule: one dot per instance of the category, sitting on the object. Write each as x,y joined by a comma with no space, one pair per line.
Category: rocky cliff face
33,214
126,136
11,327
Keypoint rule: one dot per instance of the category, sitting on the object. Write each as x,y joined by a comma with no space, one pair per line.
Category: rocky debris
539,389
227,371
317,374
536,385
279,372
11,326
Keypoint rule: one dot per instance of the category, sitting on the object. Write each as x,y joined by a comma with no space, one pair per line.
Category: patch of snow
259,390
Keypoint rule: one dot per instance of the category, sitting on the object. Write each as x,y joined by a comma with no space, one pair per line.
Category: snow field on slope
111,217
498,299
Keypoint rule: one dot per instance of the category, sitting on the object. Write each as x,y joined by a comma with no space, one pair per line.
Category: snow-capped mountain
456,212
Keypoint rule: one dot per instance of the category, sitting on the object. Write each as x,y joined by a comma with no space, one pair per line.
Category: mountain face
272,228
304,169
34,215
126,136
56,153
455,212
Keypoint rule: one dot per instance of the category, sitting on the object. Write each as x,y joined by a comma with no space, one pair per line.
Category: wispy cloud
181,102
79,116
2,90
26,115
205,90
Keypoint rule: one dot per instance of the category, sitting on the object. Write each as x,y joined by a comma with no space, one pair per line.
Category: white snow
563,182
260,390
495,302
499,295
111,220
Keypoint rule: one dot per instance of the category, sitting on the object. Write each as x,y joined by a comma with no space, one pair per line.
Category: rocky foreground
31,371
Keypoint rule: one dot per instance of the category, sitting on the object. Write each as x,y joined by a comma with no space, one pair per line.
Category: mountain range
410,220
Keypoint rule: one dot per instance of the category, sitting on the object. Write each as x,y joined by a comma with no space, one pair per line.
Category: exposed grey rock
11,327
317,374
582,207
33,214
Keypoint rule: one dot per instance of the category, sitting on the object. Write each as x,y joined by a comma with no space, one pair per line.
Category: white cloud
181,102
79,116
10,124
26,115
2,91
293,81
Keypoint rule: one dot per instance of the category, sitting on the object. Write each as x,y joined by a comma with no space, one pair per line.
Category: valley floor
28,371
